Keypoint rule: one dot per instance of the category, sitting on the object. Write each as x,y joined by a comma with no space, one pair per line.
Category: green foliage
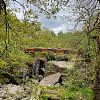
49,92
82,75
62,93
3,64
76,93
22,34
19,58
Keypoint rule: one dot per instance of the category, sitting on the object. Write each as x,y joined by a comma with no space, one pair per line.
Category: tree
87,10
2,6
89,14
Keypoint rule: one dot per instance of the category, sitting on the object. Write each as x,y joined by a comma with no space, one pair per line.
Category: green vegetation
13,59
73,93
16,35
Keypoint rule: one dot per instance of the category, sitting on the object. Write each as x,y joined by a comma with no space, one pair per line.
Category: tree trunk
97,82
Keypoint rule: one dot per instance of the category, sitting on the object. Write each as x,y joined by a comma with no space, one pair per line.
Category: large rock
19,92
52,67
11,92
50,80
63,64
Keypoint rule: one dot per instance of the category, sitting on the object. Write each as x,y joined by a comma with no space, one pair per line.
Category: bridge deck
55,50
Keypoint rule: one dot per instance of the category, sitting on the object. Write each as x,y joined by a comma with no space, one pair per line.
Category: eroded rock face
50,80
49,73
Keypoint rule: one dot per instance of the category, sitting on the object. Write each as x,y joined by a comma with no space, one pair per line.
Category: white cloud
56,25
60,28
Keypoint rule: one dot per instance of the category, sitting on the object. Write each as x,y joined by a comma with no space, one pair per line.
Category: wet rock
50,80
39,68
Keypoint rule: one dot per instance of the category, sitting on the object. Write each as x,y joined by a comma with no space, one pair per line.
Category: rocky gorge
44,80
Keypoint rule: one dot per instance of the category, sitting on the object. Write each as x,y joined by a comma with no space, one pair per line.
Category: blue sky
57,25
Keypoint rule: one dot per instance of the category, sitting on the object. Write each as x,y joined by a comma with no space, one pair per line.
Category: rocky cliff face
45,68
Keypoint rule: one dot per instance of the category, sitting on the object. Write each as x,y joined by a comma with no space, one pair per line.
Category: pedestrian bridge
54,50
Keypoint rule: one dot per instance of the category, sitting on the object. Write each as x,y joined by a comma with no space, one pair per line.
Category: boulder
50,80
14,89
63,64
52,67
11,91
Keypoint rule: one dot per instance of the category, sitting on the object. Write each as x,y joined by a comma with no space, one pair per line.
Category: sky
57,25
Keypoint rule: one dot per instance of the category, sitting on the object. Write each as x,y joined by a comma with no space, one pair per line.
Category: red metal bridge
55,50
